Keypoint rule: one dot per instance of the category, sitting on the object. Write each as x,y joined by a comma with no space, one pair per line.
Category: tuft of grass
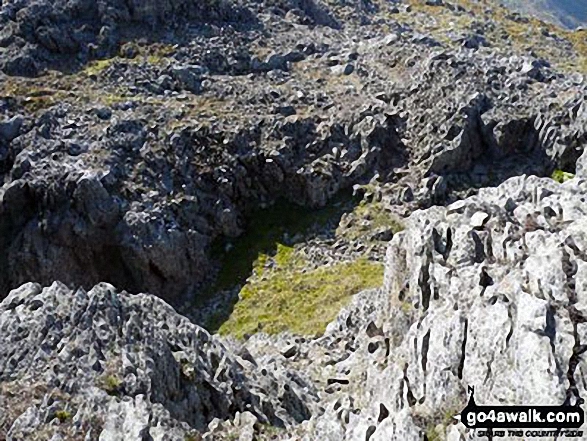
268,432
63,415
439,424
154,54
111,384
110,99
406,307
289,298
561,176
434,429
377,217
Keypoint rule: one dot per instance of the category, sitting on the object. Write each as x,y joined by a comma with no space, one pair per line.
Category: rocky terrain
375,204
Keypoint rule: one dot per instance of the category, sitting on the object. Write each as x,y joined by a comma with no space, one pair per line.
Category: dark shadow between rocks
518,147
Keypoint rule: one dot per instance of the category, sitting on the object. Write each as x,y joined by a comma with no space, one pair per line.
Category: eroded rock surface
115,366
137,136
496,304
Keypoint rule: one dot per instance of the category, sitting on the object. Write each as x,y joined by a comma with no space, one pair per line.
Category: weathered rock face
475,125
115,366
41,33
486,292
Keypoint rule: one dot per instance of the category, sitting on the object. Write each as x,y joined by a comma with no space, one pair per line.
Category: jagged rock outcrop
486,292
39,34
115,366
129,170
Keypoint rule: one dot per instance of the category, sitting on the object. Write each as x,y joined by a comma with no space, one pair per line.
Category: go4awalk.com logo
524,421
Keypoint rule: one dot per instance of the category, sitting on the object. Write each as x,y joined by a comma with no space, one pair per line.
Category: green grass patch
379,216
561,176
406,307
287,298
63,415
110,99
98,66
267,432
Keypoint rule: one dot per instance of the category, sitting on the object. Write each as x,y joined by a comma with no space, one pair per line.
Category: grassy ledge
282,296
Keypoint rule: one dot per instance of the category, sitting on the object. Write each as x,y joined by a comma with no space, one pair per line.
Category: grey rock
345,69
52,29
129,367
189,77
10,129
581,165
479,219
290,351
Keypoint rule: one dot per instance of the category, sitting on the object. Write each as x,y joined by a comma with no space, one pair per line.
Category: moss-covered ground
561,176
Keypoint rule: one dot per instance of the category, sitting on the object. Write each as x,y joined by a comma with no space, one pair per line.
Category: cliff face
141,141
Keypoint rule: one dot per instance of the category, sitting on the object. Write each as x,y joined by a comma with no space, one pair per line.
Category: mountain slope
142,158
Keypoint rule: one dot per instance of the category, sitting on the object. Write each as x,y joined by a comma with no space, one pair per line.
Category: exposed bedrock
127,172
486,292
124,366
82,222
